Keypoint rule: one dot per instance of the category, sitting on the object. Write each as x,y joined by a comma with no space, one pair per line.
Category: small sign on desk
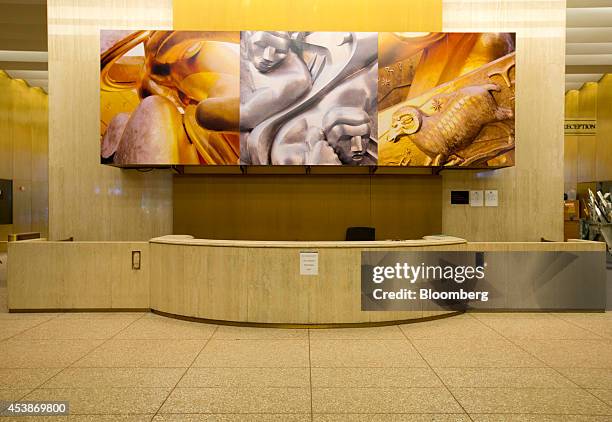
309,263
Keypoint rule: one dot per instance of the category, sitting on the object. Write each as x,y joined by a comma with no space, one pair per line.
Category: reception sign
307,98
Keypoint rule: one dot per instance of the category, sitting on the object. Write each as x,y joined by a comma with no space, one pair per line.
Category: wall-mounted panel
307,98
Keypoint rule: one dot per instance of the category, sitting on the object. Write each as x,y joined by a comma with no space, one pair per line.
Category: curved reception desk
260,282
296,283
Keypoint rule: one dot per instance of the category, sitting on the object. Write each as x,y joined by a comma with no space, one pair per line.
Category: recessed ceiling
588,53
23,40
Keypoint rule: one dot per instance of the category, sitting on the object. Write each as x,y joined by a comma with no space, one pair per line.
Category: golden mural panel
454,106
158,89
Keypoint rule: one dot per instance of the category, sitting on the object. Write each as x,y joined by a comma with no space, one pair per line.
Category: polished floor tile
238,400
43,353
246,377
11,394
143,354
600,323
254,353
128,316
504,377
604,395
530,400
162,328
82,418
228,417
108,401
374,377
138,366
13,327
390,417
476,354
530,328
464,328
511,315
364,353
15,316
589,377
376,333
225,332
521,417
74,329
23,378
115,377
383,400
571,353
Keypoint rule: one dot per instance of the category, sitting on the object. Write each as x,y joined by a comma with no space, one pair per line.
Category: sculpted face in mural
447,99
308,98
169,97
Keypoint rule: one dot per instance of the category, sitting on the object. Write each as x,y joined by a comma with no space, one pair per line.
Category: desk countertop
425,241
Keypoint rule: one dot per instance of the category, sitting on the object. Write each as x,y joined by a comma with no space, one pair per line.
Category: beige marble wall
87,200
531,193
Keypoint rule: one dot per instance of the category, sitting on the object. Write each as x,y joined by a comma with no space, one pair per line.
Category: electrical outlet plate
490,198
135,260
476,198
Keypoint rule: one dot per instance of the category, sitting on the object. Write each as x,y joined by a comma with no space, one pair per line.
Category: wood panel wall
588,158
23,154
89,201
586,145
570,152
306,207
603,155
299,207
531,193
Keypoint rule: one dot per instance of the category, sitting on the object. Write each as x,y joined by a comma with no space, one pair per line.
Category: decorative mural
169,97
446,99
307,98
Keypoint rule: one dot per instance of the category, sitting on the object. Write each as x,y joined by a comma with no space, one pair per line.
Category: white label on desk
309,263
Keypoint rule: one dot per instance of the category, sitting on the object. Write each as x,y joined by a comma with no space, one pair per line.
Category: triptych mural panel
307,98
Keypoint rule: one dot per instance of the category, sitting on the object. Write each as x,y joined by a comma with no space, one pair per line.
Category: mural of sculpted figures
169,97
446,99
308,98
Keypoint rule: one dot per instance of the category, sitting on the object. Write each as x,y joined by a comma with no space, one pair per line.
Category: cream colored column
86,199
531,193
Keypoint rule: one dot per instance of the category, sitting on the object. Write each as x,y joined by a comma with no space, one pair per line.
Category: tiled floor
142,367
